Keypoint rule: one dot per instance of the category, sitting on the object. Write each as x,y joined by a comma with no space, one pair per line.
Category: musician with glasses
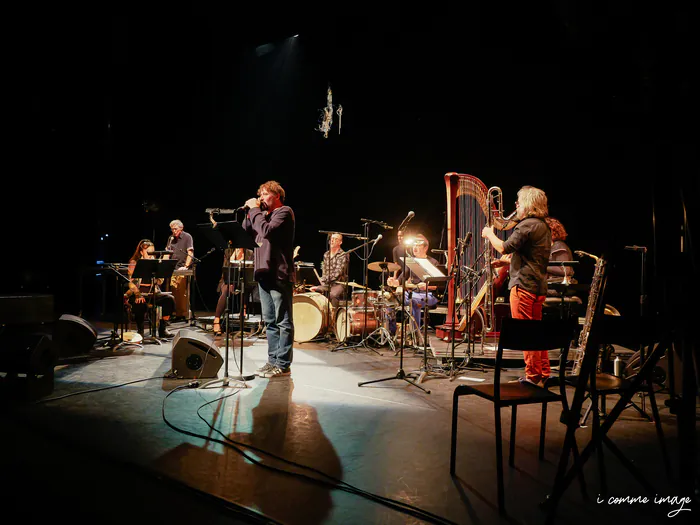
334,271
181,245
415,289
140,290
530,244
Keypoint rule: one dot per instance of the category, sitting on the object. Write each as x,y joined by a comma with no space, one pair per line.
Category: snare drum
358,298
358,320
312,314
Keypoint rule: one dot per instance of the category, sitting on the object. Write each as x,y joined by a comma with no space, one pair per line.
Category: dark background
130,119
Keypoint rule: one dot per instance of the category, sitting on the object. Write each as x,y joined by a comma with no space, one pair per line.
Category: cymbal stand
400,374
363,341
382,331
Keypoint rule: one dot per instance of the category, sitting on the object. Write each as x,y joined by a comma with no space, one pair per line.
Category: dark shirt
274,233
338,268
179,246
530,244
559,252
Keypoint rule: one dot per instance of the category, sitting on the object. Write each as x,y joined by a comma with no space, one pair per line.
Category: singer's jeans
527,305
276,303
418,300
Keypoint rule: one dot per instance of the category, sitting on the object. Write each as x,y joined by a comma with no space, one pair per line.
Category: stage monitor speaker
27,362
194,356
73,336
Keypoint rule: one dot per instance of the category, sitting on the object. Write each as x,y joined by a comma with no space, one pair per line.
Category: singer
415,289
182,246
530,244
272,224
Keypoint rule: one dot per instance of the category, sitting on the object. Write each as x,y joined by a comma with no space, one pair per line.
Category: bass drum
355,323
312,313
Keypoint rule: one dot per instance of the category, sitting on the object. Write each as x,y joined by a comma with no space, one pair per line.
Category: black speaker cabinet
73,336
194,356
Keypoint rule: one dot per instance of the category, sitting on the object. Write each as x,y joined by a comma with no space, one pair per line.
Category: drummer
415,288
334,271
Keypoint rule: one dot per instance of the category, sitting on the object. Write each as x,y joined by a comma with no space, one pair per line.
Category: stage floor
116,442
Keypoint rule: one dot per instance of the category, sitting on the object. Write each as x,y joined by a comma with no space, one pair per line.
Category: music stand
429,274
400,374
239,238
153,269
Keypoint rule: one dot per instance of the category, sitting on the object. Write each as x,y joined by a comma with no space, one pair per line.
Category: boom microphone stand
234,232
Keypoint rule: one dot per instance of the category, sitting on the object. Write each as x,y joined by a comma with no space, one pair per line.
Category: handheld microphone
379,238
636,248
406,220
386,226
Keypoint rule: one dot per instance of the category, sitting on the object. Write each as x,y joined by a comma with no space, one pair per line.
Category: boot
139,327
163,330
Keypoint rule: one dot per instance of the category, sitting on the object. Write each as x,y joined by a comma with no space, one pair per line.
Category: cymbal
352,284
380,266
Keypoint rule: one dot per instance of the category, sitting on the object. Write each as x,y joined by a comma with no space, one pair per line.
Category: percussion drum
312,314
358,298
355,323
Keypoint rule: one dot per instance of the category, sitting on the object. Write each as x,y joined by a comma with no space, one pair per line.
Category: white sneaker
263,369
276,371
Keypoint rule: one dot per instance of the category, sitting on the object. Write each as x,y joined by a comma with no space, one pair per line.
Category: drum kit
368,313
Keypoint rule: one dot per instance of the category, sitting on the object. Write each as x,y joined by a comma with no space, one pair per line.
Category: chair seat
511,393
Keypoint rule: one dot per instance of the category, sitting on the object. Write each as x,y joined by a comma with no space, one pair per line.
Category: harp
471,207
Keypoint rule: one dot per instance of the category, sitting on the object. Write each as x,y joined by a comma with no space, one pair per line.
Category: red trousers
526,305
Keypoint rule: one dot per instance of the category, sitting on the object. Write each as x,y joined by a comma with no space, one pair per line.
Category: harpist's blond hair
533,202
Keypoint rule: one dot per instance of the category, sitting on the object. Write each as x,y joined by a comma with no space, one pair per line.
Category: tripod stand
400,374
238,238
116,338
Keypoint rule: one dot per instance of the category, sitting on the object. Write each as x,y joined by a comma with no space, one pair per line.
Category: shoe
276,371
163,331
217,328
263,369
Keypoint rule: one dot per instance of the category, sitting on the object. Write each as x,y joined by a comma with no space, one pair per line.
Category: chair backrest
526,334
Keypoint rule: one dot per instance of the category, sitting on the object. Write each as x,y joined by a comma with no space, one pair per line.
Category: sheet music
424,269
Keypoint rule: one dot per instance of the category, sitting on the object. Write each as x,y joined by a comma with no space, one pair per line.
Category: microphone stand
400,374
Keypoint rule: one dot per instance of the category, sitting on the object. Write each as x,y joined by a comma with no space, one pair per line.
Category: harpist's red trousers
526,305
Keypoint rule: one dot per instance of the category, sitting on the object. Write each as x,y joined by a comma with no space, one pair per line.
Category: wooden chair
516,334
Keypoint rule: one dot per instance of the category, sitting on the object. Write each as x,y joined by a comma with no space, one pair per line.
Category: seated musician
140,290
415,288
334,271
560,251
231,256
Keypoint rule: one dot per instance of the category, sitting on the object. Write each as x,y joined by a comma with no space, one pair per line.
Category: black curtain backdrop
129,120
